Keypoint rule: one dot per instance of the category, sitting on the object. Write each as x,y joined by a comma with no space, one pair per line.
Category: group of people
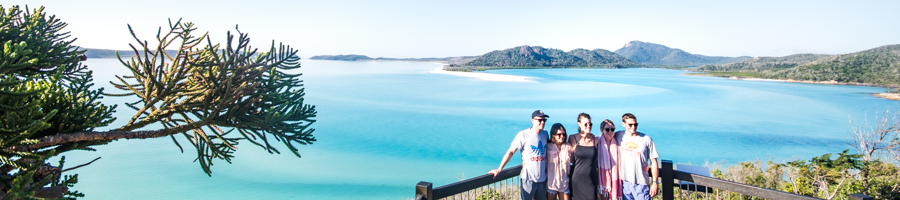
556,165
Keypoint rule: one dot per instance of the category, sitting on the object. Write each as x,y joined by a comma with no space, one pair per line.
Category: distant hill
877,66
539,57
760,64
655,54
349,57
880,66
106,53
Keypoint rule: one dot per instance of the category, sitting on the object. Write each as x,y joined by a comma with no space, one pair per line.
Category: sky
420,29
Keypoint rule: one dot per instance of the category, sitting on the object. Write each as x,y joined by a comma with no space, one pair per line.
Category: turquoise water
384,126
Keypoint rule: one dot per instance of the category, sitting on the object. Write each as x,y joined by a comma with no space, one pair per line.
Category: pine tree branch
53,140
54,192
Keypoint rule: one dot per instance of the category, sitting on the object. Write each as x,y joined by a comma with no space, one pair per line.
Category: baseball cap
539,113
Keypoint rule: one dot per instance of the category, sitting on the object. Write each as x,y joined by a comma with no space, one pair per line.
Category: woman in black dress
584,175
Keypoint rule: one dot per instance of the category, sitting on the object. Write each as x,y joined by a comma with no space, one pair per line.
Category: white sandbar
485,76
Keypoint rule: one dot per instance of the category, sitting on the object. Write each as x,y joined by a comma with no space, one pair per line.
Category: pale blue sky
401,29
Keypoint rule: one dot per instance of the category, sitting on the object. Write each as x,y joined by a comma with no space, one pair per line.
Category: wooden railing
667,174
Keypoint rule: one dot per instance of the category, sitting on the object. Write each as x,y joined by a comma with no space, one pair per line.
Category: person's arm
596,160
509,153
654,167
654,173
572,141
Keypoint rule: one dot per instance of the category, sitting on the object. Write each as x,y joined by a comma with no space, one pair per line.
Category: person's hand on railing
494,172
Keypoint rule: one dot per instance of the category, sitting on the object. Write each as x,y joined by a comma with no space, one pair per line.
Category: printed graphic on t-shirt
540,150
631,149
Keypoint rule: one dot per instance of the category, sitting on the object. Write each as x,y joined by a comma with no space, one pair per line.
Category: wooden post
424,191
859,196
667,174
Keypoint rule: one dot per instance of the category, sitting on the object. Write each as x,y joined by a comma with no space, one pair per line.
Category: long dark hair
554,129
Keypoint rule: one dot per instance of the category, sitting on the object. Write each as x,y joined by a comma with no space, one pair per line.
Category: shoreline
485,76
890,96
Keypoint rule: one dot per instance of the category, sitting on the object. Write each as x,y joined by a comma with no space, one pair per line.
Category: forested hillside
876,66
879,66
539,57
656,54
760,64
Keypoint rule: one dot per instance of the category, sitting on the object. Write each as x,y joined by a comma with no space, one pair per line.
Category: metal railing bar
474,183
740,188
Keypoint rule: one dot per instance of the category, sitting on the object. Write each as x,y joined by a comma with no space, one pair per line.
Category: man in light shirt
532,145
636,149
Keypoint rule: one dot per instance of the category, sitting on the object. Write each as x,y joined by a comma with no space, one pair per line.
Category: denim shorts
554,192
632,191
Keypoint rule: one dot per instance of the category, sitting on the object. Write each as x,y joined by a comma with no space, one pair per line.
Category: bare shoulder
573,138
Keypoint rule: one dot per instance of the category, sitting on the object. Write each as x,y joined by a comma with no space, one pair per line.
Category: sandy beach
485,76
891,96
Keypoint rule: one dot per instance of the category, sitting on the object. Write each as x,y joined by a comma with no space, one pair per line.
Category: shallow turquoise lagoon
384,126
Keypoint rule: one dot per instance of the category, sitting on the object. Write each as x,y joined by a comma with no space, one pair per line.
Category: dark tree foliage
212,95
44,91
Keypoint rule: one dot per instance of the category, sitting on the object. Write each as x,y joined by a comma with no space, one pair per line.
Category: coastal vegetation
763,64
656,54
872,170
212,95
878,66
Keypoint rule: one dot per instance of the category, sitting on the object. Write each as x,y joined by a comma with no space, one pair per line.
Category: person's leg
627,190
540,190
564,195
641,192
527,190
